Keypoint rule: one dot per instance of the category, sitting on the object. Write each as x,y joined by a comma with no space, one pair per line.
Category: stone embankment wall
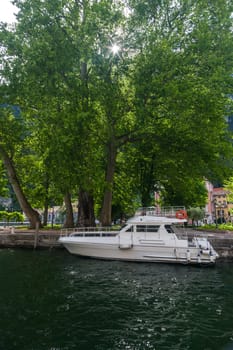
11,238
222,241
224,247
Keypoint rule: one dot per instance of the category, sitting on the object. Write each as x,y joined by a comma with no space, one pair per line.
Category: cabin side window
147,228
141,228
153,228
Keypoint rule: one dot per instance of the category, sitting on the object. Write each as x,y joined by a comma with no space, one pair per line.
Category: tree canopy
116,101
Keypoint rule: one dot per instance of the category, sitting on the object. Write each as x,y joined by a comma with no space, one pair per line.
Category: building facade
218,208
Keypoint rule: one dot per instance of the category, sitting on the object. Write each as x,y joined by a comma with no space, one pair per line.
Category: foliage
226,226
222,227
121,125
178,99
55,227
4,190
11,216
228,186
196,214
184,191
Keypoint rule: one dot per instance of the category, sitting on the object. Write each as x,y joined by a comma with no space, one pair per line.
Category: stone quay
11,237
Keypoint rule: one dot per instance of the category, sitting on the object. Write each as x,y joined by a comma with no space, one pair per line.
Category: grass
222,227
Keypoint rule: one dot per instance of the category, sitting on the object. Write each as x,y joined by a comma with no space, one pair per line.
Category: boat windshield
129,229
169,228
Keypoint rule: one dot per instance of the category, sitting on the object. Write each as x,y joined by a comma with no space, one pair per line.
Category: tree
153,112
4,191
228,186
64,112
11,132
182,88
196,214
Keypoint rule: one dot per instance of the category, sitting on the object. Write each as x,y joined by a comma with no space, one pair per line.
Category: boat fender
181,214
198,258
188,255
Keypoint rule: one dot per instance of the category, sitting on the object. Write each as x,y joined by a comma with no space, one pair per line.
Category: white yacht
152,235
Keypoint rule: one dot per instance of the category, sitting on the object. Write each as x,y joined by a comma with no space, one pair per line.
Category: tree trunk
32,215
106,211
86,216
45,217
147,183
69,220
46,202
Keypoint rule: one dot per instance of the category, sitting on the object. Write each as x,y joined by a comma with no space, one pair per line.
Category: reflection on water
55,301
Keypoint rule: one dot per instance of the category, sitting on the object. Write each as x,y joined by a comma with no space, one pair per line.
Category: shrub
4,215
16,216
11,216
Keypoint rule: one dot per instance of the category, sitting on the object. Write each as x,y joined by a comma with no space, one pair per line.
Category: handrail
89,230
94,234
159,211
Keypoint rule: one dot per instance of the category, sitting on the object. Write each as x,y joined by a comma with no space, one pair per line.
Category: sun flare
115,49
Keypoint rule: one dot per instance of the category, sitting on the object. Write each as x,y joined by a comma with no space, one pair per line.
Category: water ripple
54,301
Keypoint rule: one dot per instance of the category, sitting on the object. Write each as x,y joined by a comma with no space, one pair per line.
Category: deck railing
89,231
112,230
159,211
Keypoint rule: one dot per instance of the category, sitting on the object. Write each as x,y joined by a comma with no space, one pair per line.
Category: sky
7,11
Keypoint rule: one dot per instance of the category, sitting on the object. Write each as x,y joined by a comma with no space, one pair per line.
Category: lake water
50,300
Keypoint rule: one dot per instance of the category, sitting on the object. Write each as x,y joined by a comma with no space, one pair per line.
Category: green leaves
196,214
11,216
154,112
12,127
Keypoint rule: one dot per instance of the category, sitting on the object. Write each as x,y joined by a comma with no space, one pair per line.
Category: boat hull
138,253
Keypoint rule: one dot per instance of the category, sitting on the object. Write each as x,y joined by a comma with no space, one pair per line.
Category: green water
55,301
